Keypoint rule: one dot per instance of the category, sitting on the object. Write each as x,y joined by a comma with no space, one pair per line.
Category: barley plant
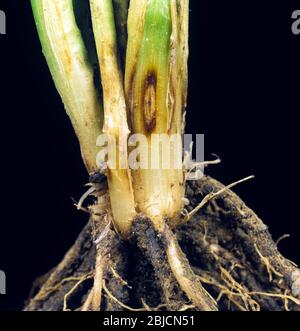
154,240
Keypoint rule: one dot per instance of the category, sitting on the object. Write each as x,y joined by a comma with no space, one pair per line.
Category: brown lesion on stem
149,101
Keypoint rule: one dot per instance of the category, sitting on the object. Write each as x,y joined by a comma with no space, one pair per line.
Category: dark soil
225,248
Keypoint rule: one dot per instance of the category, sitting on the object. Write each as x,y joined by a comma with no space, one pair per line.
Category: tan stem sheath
115,118
155,85
72,73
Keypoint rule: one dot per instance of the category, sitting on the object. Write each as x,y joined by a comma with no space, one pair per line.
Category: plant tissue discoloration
149,101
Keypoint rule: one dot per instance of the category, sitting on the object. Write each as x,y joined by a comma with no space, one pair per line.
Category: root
212,196
147,308
274,295
224,251
116,275
73,289
224,291
184,275
187,307
118,301
250,304
98,280
285,236
47,291
171,266
101,219
250,232
90,191
78,261
88,301
225,233
195,170
268,265
152,257
234,292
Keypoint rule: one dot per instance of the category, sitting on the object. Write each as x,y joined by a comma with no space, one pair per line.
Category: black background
244,96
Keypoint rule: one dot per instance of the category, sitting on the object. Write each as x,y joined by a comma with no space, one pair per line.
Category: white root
213,195
195,170
85,196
